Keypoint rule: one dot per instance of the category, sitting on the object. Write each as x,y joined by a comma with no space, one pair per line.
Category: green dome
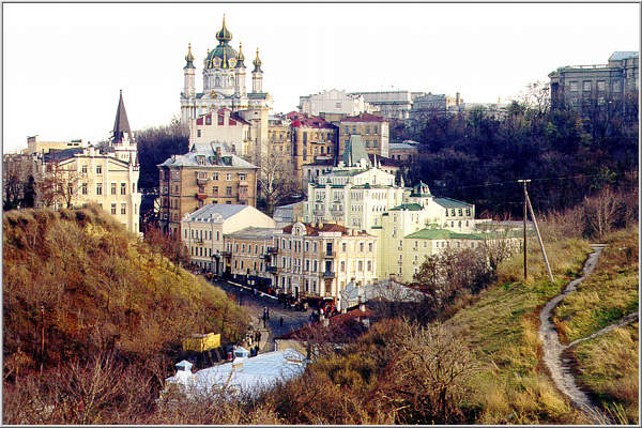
223,56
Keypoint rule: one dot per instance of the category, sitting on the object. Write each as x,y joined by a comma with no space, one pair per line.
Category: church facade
224,76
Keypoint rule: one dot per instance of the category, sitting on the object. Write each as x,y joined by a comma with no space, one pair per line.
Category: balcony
329,254
202,180
272,269
201,196
328,274
273,251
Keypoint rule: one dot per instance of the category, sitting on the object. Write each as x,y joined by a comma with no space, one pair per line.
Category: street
255,304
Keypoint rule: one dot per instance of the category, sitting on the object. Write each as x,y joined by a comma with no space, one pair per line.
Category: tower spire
121,124
189,58
257,63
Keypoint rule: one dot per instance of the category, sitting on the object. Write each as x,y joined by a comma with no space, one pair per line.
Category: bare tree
601,212
431,374
17,178
276,180
59,185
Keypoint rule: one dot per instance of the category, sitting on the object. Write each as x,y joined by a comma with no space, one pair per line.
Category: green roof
452,203
443,234
409,207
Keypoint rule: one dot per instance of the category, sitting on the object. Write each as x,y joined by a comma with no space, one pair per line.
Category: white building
203,231
223,127
356,193
224,86
334,102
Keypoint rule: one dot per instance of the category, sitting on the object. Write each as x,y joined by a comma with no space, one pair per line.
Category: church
224,88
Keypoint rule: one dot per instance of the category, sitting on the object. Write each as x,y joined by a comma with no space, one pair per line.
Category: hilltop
82,296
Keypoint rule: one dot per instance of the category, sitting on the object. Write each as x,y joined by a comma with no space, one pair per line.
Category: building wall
375,134
185,189
219,127
34,145
102,179
333,102
322,265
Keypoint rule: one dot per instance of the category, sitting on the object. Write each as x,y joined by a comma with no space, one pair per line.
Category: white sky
63,64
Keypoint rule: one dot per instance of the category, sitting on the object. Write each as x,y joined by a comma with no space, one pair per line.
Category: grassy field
608,365
502,327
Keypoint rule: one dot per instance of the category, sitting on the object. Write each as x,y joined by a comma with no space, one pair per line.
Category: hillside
81,295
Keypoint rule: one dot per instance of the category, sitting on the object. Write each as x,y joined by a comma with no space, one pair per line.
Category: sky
64,64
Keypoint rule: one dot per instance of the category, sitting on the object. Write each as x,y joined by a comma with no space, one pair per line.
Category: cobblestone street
256,304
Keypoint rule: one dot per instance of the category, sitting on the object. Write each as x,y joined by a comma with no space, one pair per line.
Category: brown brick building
203,176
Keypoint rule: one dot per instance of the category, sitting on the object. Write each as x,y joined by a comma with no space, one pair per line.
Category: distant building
288,214
318,260
374,131
206,175
405,152
612,87
223,127
302,140
390,104
35,146
203,232
333,103
81,175
313,171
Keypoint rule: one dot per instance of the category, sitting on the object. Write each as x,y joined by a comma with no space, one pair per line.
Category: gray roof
216,213
258,233
620,55
209,159
354,151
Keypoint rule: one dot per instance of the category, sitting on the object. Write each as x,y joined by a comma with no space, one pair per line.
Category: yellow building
205,175
374,131
248,255
318,261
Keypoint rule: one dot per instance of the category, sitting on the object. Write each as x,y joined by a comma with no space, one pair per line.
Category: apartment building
206,175
248,254
374,131
317,261
223,127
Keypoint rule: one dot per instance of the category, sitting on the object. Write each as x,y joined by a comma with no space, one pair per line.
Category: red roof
312,230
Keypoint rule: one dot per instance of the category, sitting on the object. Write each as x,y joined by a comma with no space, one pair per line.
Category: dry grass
608,366
502,326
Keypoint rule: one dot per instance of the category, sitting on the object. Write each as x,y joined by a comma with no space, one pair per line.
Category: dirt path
559,367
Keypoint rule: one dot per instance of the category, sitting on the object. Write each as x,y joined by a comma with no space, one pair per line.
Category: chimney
183,371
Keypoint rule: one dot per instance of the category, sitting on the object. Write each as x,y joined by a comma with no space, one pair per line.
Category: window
586,85
123,208
220,119
99,169
208,118
198,133
361,247
215,190
113,188
360,266
83,188
370,247
83,169
215,176
241,176
574,86
113,208
369,265
617,86
123,188
601,85
228,191
343,266
99,189
344,247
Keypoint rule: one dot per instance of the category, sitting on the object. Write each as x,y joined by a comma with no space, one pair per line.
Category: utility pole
539,238
525,181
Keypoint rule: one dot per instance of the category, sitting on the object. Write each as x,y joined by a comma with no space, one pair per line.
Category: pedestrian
259,337
268,312
256,350
281,321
